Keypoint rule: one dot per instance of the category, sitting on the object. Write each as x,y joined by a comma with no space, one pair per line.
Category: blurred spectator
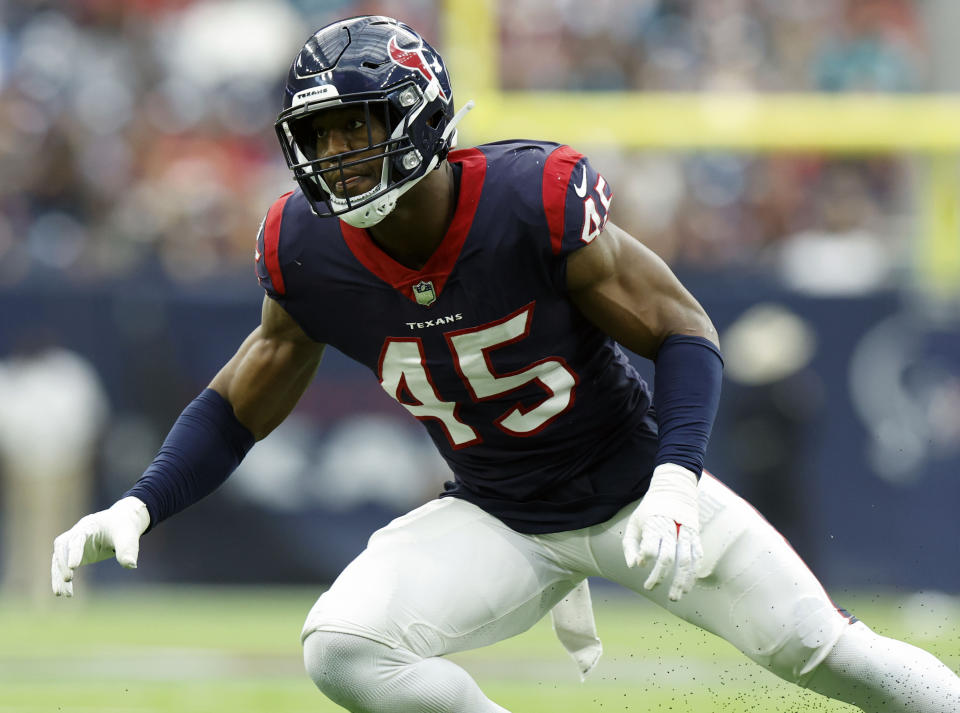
773,406
841,252
52,414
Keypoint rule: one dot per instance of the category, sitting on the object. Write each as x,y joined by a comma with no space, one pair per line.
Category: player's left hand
112,532
665,528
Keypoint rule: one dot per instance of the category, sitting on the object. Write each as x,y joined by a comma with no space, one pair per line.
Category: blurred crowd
136,144
715,45
797,215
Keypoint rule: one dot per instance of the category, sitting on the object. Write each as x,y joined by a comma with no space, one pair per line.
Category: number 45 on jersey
403,374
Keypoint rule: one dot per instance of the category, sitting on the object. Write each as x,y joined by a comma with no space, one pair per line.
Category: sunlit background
794,162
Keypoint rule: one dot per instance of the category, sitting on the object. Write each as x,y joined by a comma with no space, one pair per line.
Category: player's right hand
665,530
95,537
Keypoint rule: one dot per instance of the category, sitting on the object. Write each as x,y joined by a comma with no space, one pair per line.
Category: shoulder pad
267,255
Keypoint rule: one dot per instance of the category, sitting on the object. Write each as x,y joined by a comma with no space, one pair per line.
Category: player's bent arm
629,293
625,289
270,371
250,395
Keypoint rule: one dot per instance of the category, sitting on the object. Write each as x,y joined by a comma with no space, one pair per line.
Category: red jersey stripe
441,263
271,242
556,178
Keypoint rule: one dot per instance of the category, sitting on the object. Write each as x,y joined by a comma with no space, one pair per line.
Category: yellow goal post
924,125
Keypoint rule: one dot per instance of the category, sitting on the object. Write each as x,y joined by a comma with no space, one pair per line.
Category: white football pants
448,577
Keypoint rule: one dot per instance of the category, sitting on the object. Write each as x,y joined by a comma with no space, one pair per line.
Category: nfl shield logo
423,292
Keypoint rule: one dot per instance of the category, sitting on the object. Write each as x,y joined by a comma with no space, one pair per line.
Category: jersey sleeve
576,200
267,254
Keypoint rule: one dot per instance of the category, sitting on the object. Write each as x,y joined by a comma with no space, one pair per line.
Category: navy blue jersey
540,416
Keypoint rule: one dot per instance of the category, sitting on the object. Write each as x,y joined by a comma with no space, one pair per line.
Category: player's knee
815,629
334,663
347,668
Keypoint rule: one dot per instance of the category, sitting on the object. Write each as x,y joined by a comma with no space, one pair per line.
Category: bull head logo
413,59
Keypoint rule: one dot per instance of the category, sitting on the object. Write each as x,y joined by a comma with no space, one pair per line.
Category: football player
490,293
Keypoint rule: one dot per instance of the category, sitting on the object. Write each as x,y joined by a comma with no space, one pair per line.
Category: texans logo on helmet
412,59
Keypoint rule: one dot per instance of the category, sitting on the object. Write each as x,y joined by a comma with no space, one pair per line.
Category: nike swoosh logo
582,188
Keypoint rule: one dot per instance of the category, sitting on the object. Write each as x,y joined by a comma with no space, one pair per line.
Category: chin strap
452,126
376,210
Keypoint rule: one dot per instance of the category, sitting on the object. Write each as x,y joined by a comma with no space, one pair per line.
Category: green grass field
237,651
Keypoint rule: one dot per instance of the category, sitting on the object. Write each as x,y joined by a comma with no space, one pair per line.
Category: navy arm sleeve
203,448
686,395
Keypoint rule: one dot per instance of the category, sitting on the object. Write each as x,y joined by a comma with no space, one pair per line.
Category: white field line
190,664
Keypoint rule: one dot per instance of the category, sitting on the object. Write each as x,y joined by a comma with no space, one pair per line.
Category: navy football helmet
384,68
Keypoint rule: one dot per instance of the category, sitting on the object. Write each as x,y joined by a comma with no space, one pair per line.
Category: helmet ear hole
436,119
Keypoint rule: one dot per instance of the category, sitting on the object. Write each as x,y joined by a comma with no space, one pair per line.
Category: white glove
95,537
665,528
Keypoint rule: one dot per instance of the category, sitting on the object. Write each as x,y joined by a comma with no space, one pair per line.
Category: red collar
438,267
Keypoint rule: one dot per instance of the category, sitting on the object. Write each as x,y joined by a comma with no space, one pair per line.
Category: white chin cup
373,212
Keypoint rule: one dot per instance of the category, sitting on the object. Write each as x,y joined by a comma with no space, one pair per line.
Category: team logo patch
414,59
424,293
